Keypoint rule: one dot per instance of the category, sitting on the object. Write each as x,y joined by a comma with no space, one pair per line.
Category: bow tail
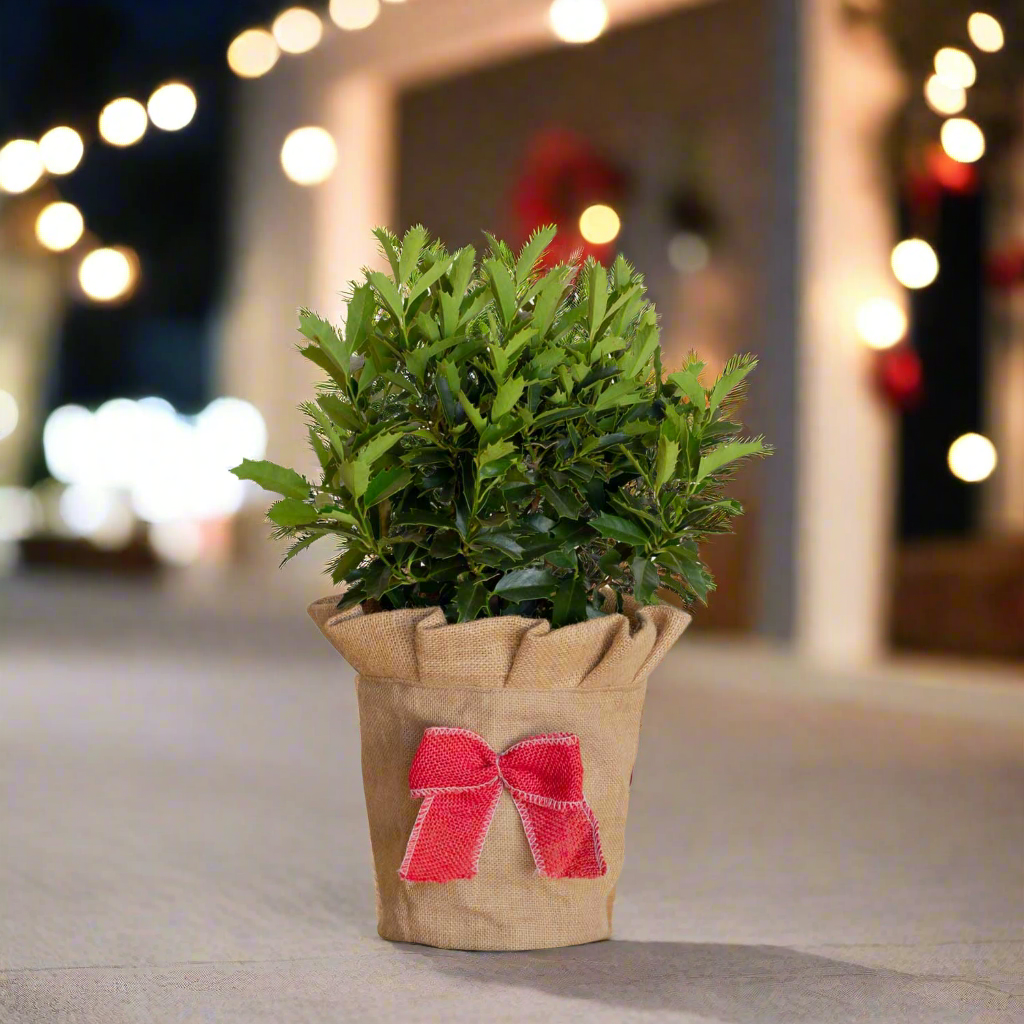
563,837
449,834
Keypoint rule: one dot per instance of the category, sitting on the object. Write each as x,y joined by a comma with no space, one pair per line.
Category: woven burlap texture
505,679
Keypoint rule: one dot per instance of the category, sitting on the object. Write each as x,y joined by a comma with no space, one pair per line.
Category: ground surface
182,839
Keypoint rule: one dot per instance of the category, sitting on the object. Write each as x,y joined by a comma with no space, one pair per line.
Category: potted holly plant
516,494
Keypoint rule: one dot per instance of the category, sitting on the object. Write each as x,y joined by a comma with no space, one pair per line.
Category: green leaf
378,446
493,452
687,382
548,299
302,544
621,530
597,299
291,512
430,277
731,379
500,539
562,500
503,289
645,579
533,250
472,412
726,453
389,295
389,247
527,584
272,477
355,476
359,317
507,395
470,599
412,246
386,483
570,603
665,466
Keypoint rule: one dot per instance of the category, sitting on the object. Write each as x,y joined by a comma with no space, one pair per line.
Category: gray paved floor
182,839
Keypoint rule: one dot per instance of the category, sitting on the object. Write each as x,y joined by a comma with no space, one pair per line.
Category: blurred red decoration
564,175
952,175
899,377
1005,270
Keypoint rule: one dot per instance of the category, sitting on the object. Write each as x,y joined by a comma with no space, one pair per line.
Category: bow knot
461,778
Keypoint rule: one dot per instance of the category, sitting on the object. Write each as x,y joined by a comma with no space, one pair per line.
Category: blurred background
837,186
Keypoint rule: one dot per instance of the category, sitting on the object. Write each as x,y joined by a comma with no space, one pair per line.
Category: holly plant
499,439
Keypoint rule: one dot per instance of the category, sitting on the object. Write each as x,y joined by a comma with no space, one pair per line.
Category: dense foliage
500,439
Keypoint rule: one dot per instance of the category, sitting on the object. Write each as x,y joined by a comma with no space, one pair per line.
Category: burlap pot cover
505,679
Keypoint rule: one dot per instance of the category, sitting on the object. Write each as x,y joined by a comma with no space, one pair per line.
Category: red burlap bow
460,779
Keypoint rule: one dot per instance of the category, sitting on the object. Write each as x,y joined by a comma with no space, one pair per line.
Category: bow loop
461,778
451,760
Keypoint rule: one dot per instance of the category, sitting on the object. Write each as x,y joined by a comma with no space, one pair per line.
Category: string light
172,106
308,155
972,458
253,53
955,67
599,224
297,30
123,121
914,263
578,21
107,274
59,226
944,98
881,323
962,140
21,165
61,150
352,15
986,33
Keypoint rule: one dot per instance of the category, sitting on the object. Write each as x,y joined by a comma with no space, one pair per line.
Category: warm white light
21,165
253,53
962,140
955,67
230,429
8,414
172,106
881,323
578,21
986,33
972,458
688,253
599,224
59,226
297,30
123,121
353,15
67,443
61,149
308,155
98,513
944,98
106,274
914,263
19,513
179,542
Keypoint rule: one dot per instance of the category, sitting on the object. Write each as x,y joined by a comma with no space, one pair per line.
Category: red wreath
563,175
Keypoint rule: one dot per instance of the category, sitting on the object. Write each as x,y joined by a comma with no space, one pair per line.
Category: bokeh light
123,121
308,155
8,414
107,274
962,140
21,165
353,15
881,323
599,224
972,458
578,21
20,513
955,67
985,31
688,253
914,263
944,98
61,149
253,53
59,226
177,542
172,106
297,30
